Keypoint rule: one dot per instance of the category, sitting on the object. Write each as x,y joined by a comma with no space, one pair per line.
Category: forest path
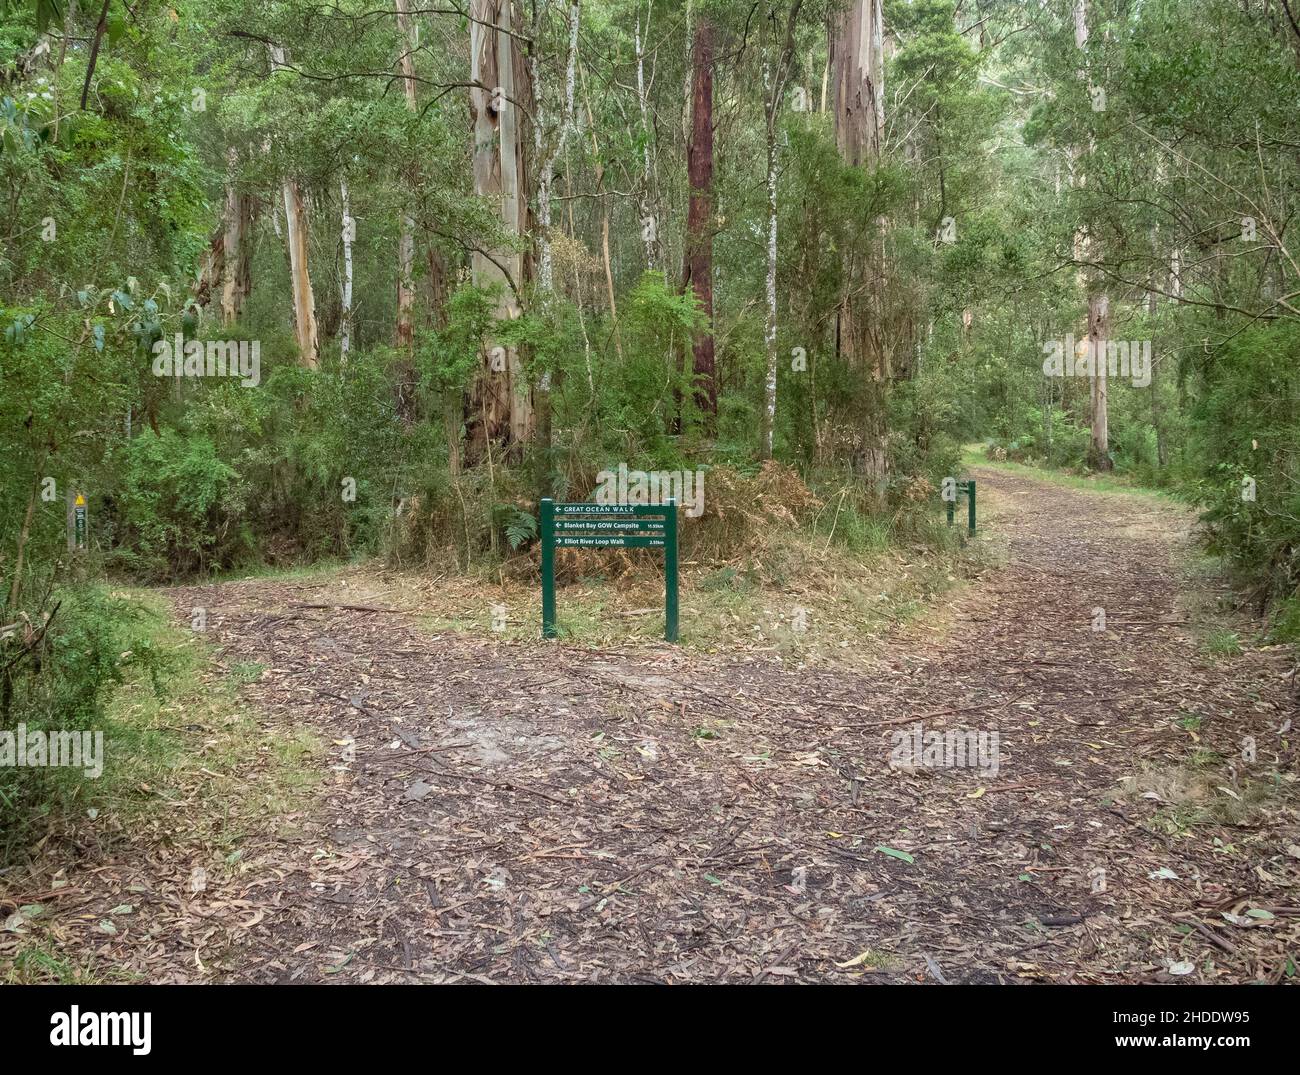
542,812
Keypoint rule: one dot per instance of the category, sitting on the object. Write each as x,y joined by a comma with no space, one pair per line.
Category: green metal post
950,505
970,507
548,567
670,570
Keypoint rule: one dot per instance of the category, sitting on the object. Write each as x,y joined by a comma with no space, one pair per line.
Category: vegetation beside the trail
806,249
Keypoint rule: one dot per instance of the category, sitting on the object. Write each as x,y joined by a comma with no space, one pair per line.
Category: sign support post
670,571
598,526
548,567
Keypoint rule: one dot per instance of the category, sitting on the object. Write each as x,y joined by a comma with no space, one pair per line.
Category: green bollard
970,507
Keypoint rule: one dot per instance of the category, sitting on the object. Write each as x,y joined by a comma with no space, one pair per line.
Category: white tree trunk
769,334
776,72
345,330
649,224
878,68
770,90
545,267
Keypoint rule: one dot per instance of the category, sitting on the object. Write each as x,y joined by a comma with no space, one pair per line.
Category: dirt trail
547,813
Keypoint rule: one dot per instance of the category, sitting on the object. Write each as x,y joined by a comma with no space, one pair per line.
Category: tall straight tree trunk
304,301
236,278
295,230
406,232
604,218
545,269
859,92
1157,412
699,228
501,404
770,295
404,331
1098,304
857,56
1098,332
776,71
769,327
348,233
649,224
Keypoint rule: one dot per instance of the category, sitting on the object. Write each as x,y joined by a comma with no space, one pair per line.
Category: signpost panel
603,526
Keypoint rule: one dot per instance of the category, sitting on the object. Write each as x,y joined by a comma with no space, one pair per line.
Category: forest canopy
297,280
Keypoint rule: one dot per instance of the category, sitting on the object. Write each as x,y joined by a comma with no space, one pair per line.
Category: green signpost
602,526
967,487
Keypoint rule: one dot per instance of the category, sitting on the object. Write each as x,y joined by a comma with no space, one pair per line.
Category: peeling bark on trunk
236,277
304,302
699,226
857,56
227,272
501,403
1098,331
214,267
859,97
295,230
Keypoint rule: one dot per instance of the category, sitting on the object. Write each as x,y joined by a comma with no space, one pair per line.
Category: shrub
179,506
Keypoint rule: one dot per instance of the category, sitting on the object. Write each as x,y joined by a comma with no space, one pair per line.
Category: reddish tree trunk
699,231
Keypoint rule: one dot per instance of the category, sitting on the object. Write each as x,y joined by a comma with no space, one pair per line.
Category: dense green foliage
1002,195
